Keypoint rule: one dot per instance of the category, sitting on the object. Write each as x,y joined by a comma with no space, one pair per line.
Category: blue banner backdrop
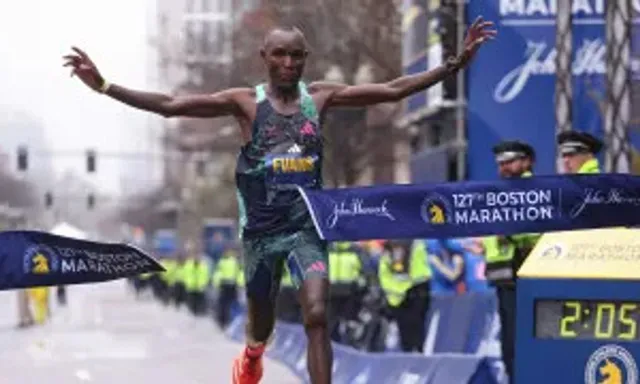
511,82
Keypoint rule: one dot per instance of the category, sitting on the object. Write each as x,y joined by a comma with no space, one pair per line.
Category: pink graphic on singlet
318,266
307,129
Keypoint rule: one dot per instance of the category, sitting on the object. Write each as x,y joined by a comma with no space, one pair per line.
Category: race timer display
578,309
587,320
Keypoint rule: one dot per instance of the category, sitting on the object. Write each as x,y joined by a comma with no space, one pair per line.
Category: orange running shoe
247,368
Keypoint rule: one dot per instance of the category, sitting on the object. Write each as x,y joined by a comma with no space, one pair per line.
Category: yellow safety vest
228,271
169,276
179,272
420,269
590,166
196,275
344,267
500,266
396,285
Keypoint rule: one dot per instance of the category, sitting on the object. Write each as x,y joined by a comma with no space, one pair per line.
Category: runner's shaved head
281,35
284,52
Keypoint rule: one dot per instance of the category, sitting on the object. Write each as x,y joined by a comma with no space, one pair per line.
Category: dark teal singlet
285,151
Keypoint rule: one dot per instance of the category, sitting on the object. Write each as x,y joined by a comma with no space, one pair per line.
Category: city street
107,336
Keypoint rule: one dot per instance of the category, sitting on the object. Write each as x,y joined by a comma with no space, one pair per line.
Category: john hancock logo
358,207
611,364
40,260
609,197
436,210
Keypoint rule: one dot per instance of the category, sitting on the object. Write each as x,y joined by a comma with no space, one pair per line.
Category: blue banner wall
511,82
353,367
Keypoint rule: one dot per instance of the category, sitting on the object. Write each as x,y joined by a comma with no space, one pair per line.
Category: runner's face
285,54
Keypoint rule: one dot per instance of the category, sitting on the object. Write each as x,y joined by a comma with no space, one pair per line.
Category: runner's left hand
478,33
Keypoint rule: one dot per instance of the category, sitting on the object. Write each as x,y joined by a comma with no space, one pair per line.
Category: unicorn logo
40,260
437,214
436,210
611,372
40,264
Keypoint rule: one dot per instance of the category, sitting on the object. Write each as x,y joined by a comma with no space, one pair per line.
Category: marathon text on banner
539,204
32,259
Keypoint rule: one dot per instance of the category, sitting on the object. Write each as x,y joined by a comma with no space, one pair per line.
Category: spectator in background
25,317
404,277
61,294
446,259
472,251
39,297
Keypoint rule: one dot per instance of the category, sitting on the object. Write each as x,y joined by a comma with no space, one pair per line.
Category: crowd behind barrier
461,342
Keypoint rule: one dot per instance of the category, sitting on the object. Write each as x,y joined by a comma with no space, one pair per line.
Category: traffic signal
91,201
23,157
91,161
48,200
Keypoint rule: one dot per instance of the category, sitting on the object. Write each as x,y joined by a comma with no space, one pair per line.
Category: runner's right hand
82,66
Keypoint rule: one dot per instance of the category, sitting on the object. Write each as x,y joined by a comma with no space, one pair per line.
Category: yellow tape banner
612,253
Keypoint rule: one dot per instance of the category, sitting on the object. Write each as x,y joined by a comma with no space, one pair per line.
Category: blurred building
434,118
194,53
21,129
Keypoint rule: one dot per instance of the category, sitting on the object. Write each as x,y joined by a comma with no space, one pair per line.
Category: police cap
573,142
511,150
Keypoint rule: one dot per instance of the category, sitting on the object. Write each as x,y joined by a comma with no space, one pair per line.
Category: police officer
345,276
505,254
163,281
197,275
179,287
578,151
404,278
227,278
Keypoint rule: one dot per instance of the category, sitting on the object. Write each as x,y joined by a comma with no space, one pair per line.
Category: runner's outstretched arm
396,90
207,105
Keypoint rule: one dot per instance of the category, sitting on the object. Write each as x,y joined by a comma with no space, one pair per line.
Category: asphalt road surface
106,336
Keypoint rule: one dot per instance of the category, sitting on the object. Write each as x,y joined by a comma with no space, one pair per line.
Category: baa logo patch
611,364
40,260
436,210
553,252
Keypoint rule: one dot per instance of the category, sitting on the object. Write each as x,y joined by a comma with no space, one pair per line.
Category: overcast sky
34,34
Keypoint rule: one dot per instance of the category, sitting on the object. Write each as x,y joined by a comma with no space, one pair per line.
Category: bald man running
280,126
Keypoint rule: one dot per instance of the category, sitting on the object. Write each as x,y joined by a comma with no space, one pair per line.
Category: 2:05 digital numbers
580,319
